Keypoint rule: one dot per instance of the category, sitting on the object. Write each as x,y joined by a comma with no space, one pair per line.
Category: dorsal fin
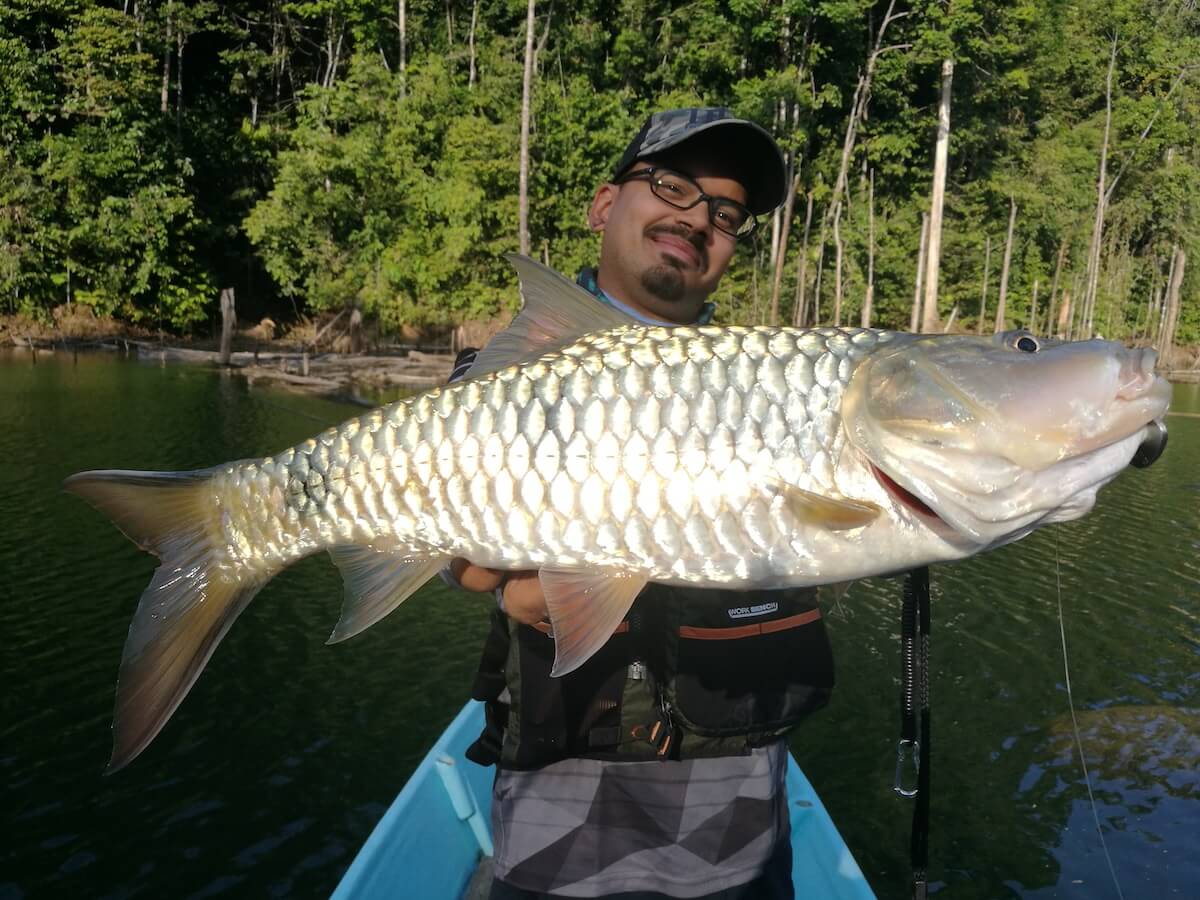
554,312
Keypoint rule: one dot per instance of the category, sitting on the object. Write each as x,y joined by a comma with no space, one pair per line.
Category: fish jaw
992,441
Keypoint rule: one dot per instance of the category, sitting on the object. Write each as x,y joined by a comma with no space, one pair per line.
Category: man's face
663,260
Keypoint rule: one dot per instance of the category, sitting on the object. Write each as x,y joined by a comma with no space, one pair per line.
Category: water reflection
287,751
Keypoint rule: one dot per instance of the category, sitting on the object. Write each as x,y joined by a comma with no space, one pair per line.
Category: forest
325,155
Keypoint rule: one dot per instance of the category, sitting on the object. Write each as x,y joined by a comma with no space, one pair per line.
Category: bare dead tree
950,322
1160,309
869,294
929,317
1008,246
471,44
164,93
800,298
1170,318
180,39
1183,73
1062,255
1033,308
1064,315
858,109
1093,261
987,266
1141,329
914,319
837,270
816,317
777,213
526,102
402,28
781,255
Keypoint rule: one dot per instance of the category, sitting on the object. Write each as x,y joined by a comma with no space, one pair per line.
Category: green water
287,751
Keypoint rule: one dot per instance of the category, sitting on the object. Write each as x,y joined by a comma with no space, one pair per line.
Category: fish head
995,436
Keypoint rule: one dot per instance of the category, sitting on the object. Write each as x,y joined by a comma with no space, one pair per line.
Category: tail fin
192,599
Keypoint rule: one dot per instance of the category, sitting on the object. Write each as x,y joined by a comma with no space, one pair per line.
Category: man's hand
523,597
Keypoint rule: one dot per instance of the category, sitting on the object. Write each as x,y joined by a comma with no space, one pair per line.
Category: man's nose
696,219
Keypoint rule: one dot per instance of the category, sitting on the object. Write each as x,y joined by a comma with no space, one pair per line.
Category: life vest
690,673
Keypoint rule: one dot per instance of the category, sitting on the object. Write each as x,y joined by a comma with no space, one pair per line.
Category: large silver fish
608,454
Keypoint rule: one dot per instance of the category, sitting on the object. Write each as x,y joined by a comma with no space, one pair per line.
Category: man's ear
601,206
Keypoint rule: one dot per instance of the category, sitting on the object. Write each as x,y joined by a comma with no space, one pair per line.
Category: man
657,768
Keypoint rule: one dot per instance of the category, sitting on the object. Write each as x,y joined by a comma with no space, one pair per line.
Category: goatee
663,281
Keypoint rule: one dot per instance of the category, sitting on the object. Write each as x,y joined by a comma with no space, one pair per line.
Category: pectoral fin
376,582
585,609
834,513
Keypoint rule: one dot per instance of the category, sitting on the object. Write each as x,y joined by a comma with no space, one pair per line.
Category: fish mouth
1152,446
905,496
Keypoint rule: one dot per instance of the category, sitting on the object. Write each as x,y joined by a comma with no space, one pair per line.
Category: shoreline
335,375
331,373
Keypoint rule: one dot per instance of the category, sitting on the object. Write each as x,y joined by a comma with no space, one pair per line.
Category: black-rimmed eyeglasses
683,192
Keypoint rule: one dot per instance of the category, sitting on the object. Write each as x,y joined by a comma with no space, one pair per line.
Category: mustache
682,231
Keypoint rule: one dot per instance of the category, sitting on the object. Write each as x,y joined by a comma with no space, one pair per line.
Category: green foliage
151,154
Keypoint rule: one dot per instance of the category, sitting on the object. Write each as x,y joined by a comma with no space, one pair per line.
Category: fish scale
575,437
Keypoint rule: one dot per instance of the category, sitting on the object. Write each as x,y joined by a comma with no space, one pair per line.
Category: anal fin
585,609
376,581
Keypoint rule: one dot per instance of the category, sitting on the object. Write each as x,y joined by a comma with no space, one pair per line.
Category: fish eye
1028,344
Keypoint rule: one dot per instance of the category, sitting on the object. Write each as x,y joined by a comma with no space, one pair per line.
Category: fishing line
1087,779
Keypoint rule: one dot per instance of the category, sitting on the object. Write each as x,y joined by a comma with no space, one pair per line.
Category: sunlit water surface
287,751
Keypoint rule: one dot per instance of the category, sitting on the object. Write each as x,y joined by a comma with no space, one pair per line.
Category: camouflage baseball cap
758,158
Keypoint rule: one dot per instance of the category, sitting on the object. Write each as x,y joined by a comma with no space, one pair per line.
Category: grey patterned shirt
586,827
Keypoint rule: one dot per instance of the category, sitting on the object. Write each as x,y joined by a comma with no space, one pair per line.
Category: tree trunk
165,92
816,304
1008,246
1062,255
914,320
1064,315
837,270
789,206
1142,329
356,331
1160,307
800,299
930,318
471,44
526,98
1093,263
950,322
179,42
402,27
754,320
1032,326
1166,336
1075,319
869,295
858,109
228,324
777,213
987,265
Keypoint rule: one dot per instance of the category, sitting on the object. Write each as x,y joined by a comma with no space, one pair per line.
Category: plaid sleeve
463,363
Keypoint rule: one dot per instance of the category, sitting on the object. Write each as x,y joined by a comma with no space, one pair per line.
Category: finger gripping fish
607,454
